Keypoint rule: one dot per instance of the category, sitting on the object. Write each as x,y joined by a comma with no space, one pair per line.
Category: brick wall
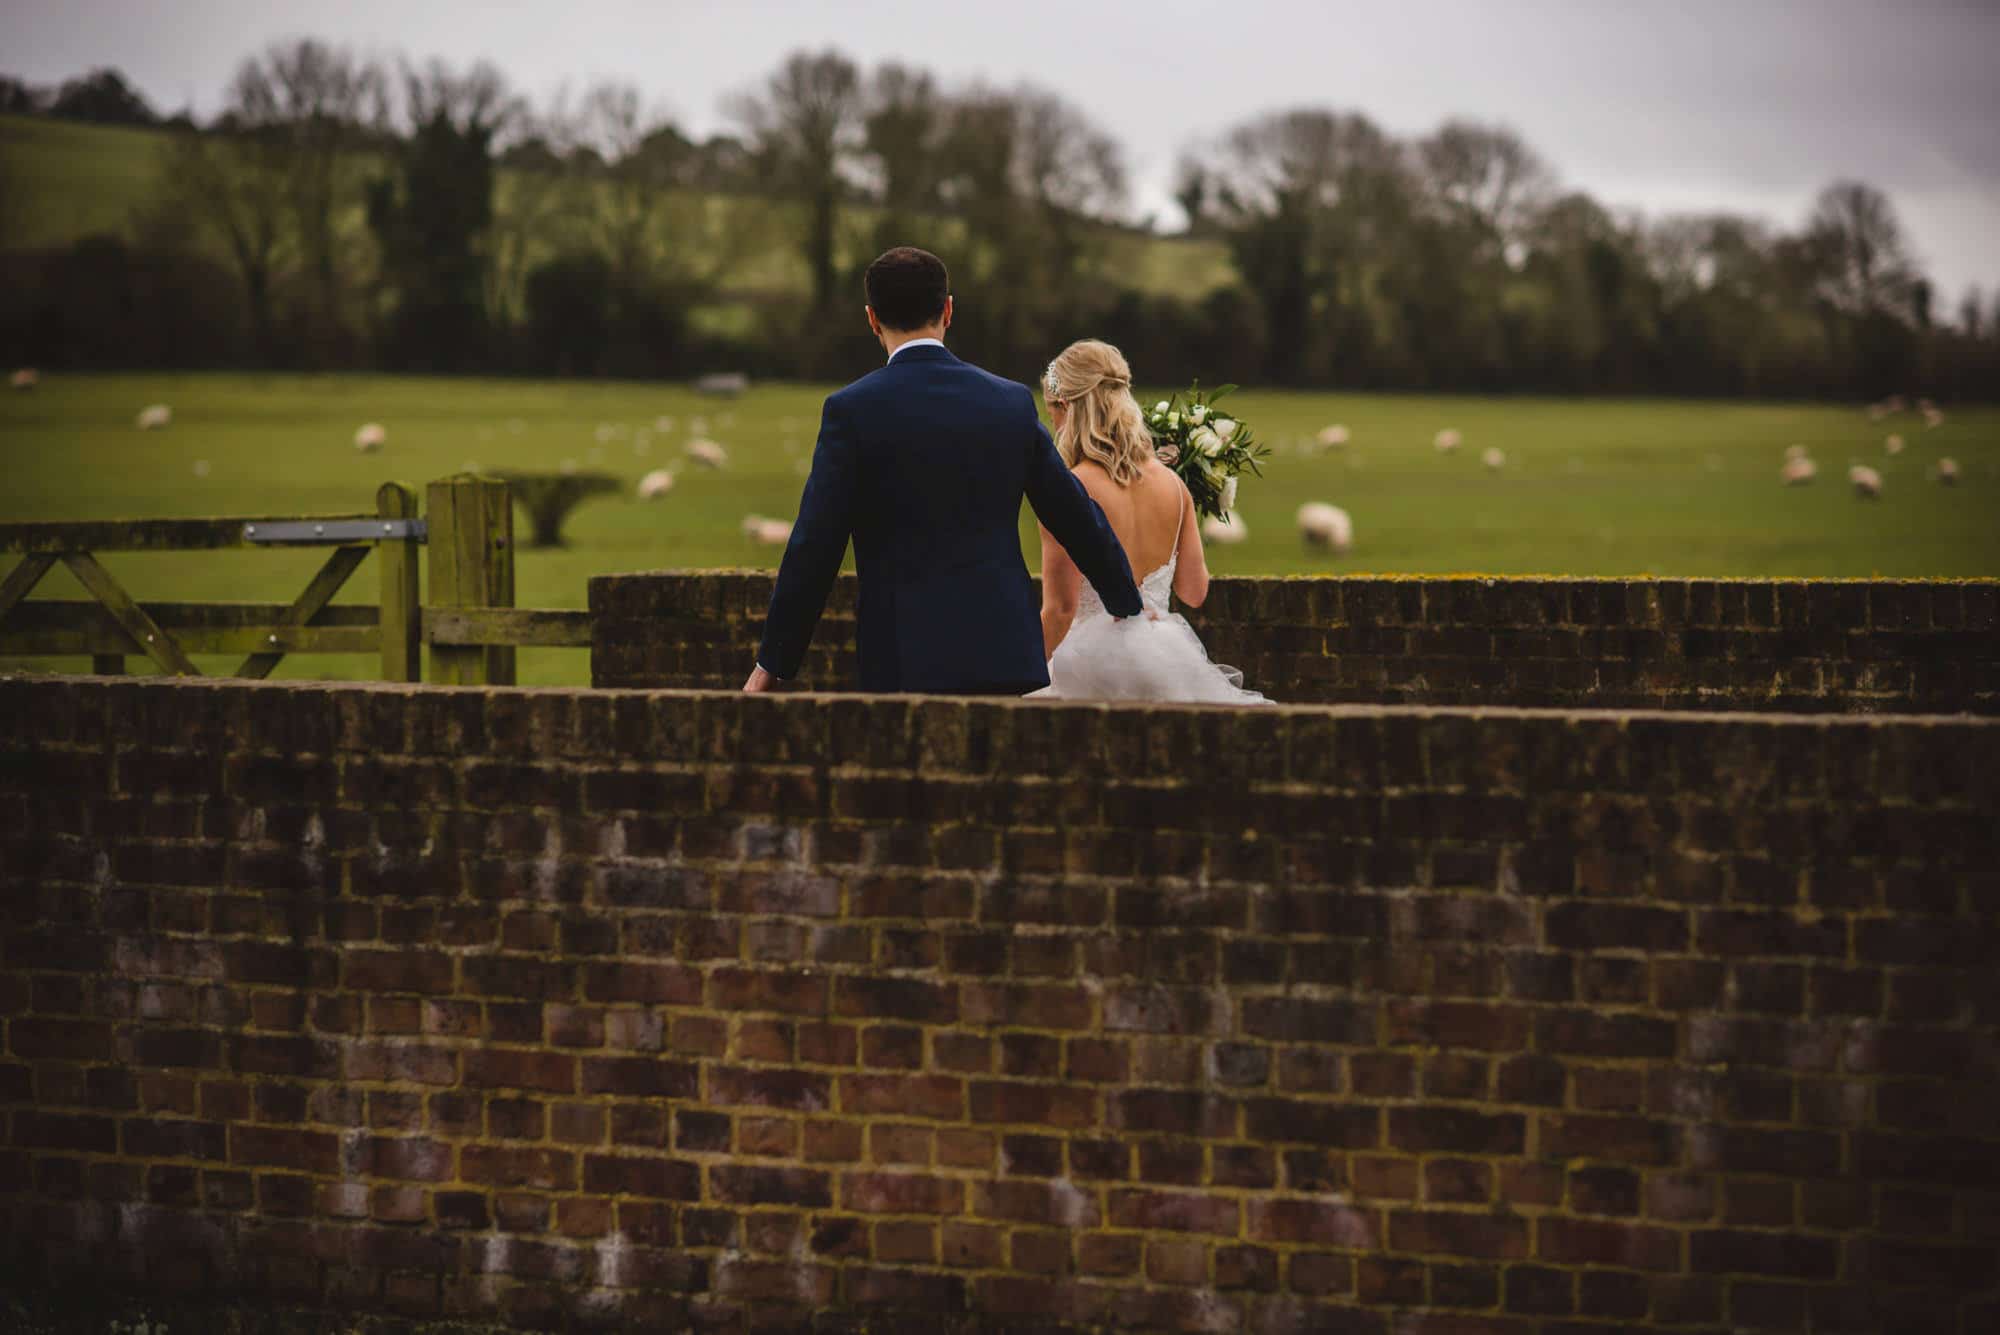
669,1009
1881,646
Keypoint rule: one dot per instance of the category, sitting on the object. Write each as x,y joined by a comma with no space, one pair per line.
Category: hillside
71,180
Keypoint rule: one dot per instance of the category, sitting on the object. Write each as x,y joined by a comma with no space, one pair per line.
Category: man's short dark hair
907,288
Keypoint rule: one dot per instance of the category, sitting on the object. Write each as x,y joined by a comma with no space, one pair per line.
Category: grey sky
1662,105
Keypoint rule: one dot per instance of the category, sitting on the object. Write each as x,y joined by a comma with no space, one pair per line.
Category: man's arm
812,558
1067,511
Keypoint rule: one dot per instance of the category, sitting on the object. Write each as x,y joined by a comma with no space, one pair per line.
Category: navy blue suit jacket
924,464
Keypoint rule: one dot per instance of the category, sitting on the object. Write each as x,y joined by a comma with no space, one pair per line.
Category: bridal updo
1104,422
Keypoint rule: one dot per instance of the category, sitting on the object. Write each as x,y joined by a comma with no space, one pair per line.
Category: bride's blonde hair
1104,422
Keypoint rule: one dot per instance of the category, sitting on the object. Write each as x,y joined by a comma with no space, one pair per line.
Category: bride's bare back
1152,517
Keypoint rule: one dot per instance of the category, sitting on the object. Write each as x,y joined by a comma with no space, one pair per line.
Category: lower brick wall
1813,646
676,1009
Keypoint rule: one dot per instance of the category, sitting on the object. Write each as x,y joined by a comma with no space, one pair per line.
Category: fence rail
471,624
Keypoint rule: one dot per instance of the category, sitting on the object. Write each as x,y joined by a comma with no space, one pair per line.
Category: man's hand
761,682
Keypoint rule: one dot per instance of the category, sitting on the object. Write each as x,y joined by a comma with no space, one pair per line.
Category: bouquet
1208,450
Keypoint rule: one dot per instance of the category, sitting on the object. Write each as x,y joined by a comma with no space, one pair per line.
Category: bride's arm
1061,583
1191,574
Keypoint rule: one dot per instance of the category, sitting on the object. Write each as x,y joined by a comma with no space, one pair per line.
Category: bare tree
309,106
1857,246
805,127
236,184
1487,175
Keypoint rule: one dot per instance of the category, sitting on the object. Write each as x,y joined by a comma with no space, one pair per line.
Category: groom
924,464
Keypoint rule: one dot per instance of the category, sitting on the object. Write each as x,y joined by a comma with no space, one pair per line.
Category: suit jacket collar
928,353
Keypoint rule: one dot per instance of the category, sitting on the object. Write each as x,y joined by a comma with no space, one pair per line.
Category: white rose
1173,419
1229,494
1160,407
1224,427
1198,414
1207,442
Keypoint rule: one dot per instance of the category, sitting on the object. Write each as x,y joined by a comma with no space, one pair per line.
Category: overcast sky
1747,105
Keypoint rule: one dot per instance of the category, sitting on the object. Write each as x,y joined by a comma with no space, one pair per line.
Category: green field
1589,487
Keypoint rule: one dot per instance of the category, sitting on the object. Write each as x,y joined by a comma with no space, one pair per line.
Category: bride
1102,436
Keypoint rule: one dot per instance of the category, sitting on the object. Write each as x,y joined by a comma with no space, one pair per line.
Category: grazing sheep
707,453
773,532
1493,458
568,465
723,384
1893,445
201,468
750,525
1867,482
1933,417
370,437
1333,435
1799,471
1946,472
1795,452
1447,440
1224,531
25,378
1323,525
655,484
155,417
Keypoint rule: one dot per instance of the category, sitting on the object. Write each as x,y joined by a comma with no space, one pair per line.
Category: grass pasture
1590,487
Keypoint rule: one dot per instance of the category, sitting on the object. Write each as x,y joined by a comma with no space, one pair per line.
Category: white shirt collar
917,343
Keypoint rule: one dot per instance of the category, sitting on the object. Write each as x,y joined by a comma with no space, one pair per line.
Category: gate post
402,611
471,541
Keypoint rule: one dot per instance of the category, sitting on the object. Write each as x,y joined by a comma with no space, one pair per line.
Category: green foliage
430,219
1591,487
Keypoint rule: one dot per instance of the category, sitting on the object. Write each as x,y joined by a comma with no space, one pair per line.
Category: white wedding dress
1153,656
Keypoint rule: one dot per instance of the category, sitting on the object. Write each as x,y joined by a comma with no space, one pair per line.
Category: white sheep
1867,482
1799,470
1225,531
155,417
201,468
1946,472
1893,445
655,484
1447,440
25,378
723,384
1333,435
1933,417
1493,458
370,437
1795,452
773,532
1323,525
567,467
707,453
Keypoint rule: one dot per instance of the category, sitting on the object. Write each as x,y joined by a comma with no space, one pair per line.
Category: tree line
340,212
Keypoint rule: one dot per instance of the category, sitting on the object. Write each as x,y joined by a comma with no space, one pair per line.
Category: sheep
723,384
1795,452
663,424
26,378
1946,472
1323,525
154,417
655,484
1867,482
1893,445
1447,440
1493,458
1225,530
370,437
1933,418
201,468
707,453
606,432
773,532
1334,435
1799,471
